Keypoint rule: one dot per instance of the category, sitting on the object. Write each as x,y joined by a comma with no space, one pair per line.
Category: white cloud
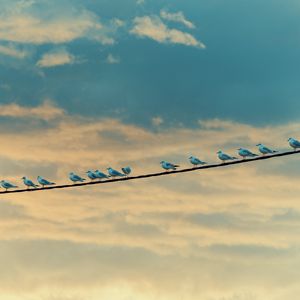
48,22
10,50
156,121
111,59
55,58
46,111
153,27
176,17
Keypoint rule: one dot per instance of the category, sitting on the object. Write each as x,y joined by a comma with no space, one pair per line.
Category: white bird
126,170
100,175
168,166
75,178
29,183
196,161
246,153
91,175
265,150
114,173
7,185
294,143
42,181
224,157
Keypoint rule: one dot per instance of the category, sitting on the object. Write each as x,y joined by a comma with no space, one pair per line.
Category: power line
210,166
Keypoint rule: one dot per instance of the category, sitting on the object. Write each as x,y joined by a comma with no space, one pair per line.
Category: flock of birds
112,173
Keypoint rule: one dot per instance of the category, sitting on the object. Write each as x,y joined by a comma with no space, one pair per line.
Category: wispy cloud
46,111
57,57
47,22
111,59
154,28
176,17
13,51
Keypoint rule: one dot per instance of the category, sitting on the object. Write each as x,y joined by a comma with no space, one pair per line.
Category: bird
42,181
7,185
265,150
91,175
245,153
126,170
223,156
100,175
75,178
114,173
29,183
168,166
294,143
196,161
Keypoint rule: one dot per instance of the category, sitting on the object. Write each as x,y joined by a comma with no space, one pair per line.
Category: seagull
7,185
246,153
126,170
168,166
294,143
196,161
91,175
100,175
265,150
223,156
29,183
114,173
42,181
75,177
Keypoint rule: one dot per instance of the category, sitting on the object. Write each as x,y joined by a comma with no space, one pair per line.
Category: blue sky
248,71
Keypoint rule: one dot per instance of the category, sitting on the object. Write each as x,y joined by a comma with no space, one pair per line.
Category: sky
97,83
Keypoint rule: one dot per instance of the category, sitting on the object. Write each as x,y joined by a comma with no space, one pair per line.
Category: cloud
153,28
156,121
111,59
57,57
13,51
176,17
200,224
46,111
47,22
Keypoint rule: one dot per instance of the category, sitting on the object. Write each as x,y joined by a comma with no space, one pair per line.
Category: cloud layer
193,226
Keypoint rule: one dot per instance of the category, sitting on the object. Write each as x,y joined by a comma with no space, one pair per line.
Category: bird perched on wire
42,181
168,166
29,183
7,185
196,161
126,170
294,143
245,153
224,157
100,175
75,178
265,150
114,173
91,175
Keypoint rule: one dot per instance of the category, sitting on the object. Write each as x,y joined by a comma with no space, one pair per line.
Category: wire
210,166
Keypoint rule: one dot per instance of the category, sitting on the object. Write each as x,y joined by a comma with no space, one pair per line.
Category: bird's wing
267,149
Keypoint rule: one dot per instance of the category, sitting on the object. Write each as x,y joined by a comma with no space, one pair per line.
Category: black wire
210,166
